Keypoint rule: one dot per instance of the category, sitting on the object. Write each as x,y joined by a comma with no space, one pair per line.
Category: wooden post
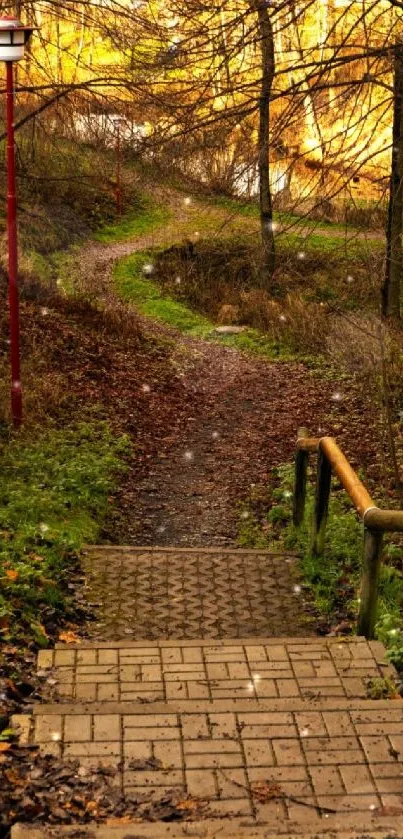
301,467
371,568
323,482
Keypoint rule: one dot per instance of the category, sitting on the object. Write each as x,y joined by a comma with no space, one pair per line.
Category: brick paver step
189,593
261,669
274,736
327,759
235,829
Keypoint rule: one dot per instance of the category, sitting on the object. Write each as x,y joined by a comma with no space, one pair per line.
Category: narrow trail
242,424
240,420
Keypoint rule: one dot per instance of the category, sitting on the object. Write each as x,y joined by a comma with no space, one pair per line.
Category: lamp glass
13,37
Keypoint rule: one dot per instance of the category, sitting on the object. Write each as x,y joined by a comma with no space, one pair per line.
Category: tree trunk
394,231
266,208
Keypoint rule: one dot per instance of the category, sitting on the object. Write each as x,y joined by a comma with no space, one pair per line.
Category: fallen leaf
143,764
12,575
13,778
188,804
4,747
266,790
69,637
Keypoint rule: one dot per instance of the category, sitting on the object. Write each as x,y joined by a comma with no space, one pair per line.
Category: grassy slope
307,234
134,223
53,497
152,302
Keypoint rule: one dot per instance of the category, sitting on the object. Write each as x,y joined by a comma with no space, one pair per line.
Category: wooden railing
375,521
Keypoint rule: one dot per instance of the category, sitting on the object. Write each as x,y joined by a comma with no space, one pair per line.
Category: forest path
238,421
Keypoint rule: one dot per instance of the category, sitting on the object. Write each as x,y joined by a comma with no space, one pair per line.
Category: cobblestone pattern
281,668
323,762
194,594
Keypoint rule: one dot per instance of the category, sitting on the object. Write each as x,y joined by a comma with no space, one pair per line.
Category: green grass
150,299
250,209
137,222
53,498
353,250
333,578
233,205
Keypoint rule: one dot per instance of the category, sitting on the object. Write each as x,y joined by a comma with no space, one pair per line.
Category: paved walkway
166,671
270,736
189,593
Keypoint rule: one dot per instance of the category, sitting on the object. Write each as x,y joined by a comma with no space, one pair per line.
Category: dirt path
240,424
240,419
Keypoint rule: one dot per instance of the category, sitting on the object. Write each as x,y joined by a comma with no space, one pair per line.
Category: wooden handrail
376,521
372,515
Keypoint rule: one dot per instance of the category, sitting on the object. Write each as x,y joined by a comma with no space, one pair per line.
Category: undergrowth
333,578
53,498
133,277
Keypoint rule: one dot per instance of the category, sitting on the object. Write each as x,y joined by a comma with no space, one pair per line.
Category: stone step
339,755
273,736
193,593
386,828
230,670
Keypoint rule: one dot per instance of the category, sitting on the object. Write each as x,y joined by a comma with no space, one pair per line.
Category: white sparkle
148,268
197,234
272,225
283,318
372,806
44,311
305,732
349,278
55,735
215,435
16,385
297,589
287,493
178,280
187,200
301,255
59,281
256,677
250,687
146,388
43,527
188,455
161,529
393,632
245,515
337,396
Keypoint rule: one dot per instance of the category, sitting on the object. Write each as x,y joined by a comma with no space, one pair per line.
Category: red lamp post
118,189
13,37
118,122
